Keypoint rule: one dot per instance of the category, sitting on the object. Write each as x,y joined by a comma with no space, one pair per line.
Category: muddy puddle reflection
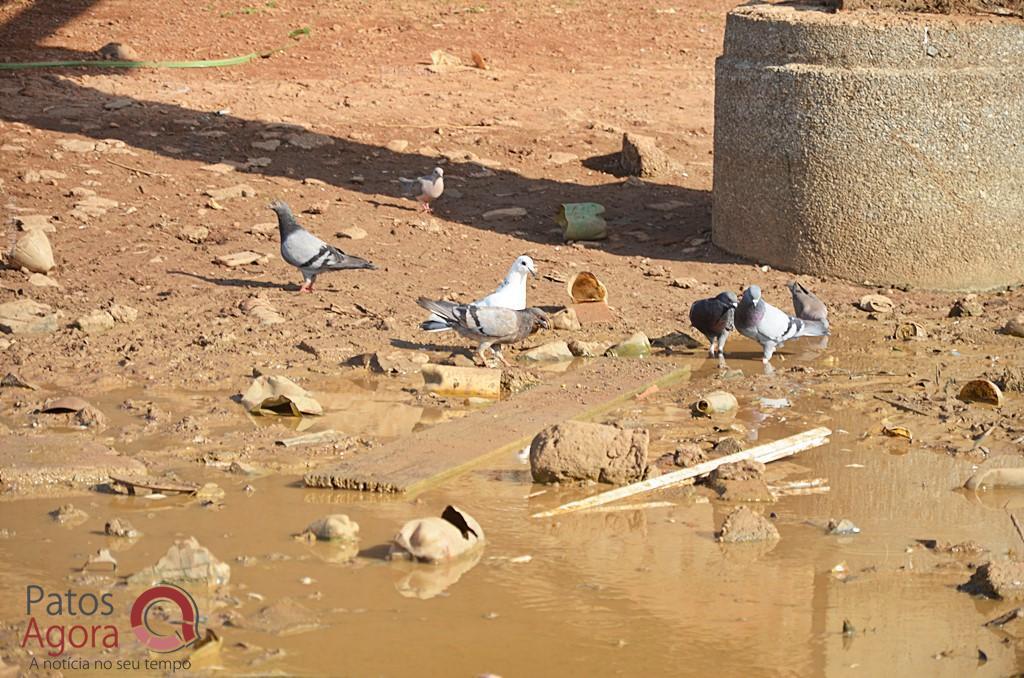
622,592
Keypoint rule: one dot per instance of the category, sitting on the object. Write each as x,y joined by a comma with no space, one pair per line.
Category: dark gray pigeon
425,189
806,305
308,253
758,320
489,325
714,319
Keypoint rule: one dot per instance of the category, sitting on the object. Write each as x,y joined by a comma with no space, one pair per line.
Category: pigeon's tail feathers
815,328
444,309
435,326
338,261
409,186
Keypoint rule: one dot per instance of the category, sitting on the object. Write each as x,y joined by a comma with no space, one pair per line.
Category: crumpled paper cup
279,395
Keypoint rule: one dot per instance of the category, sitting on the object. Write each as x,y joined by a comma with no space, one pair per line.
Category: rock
676,340
34,222
58,463
120,527
397,145
309,140
505,213
92,207
566,319
33,251
1011,379
123,314
117,51
352,233
685,283
81,192
267,145
244,258
83,414
11,148
689,454
588,349
740,481
210,493
76,145
434,540
641,157
668,206
236,191
26,317
336,526
842,527
553,350
462,381
635,346
728,445
118,103
69,515
998,579
194,234
218,168
745,525
265,230
517,381
1015,327
96,322
40,280
185,562
259,307
969,306
876,303
398,362
576,450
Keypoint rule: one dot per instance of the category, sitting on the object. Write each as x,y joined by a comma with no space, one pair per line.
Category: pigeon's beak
533,272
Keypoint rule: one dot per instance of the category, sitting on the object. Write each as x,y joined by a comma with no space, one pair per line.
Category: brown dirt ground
565,78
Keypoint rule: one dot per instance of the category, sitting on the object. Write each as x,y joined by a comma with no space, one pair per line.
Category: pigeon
757,319
806,305
714,319
511,293
308,253
425,189
489,325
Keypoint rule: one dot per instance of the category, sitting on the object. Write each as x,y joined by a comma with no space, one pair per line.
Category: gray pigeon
308,253
425,189
806,305
714,319
489,325
758,320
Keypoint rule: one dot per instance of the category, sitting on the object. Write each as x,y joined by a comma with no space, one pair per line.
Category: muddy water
635,592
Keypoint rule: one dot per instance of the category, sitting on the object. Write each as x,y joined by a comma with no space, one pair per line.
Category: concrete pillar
872,146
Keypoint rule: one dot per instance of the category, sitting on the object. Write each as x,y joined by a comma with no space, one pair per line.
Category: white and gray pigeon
425,189
308,253
806,304
490,326
714,319
771,327
511,293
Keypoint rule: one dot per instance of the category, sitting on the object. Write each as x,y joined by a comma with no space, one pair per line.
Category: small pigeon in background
806,305
511,293
491,326
714,319
425,189
308,253
758,320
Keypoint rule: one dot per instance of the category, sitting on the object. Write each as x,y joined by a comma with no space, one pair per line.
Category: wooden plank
764,453
426,457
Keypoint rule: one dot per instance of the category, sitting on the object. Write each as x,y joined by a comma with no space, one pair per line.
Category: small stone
118,103
689,454
40,280
1015,327
668,206
194,234
588,349
842,527
120,527
236,191
210,492
636,346
685,283
969,306
505,213
309,140
397,145
218,168
69,515
641,157
76,145
566,319
337,526
318,207
876,303
26,317
241,259
123,314
676,340
743,524
96,322
35,222
553,350
117,51
352,233
728,445
268,145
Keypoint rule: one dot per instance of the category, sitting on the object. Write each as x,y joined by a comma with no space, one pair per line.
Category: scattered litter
478,382
716,402
898,432
876,303
12,380
842,527
337,526
279,395
585,287
775,403
981,391
101,560
438,539
1004,619
147,486
318,438
582,221
520,559
635,346
206,651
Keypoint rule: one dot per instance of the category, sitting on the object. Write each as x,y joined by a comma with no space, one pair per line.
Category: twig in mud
984,434
902,406
137,169
1004,619
1016,526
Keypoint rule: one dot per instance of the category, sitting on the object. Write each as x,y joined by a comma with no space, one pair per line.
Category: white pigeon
425,189
511,293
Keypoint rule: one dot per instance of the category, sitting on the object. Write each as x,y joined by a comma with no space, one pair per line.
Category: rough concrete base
877,147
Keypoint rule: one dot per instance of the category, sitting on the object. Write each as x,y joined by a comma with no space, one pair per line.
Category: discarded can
716,402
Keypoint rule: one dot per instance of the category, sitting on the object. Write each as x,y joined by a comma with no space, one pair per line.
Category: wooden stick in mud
762,453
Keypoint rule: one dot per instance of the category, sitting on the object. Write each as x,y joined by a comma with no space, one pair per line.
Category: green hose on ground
205,63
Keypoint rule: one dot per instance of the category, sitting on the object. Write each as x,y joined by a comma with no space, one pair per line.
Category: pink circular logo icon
189,618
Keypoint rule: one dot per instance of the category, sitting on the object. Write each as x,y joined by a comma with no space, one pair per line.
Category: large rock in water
576,450
641,157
